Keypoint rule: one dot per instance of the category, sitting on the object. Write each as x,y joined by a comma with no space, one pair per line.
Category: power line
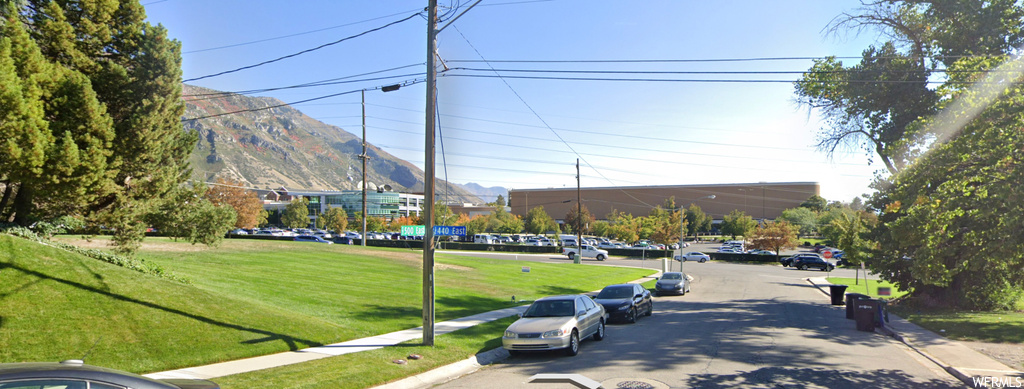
304,51
327,82
407,83
295,34
680,80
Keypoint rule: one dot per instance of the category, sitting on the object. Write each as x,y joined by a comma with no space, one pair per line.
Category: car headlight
622,308
555,334
510,334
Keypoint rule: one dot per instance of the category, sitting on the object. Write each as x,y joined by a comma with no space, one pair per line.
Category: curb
448,372
959,374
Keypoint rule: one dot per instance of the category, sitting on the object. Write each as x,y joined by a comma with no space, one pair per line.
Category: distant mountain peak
282,147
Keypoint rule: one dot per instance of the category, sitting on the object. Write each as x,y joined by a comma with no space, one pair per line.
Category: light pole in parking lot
682,229
364,157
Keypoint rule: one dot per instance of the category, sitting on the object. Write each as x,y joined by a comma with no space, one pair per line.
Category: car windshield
616,293
672,276
551,308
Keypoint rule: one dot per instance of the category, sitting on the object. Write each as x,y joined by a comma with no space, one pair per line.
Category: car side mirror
520,315
581,313
638,296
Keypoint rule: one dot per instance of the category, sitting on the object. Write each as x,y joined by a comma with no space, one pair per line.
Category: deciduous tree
296,213
737,223
246,203
774,236
334,219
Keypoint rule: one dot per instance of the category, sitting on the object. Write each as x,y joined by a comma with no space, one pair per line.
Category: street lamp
682,228
364,157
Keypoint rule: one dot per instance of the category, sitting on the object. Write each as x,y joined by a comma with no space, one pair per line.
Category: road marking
575,379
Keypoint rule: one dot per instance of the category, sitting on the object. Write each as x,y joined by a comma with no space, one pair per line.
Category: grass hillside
247,298
370,290
56,305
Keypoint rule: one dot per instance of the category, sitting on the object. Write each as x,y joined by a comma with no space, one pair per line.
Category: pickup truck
587,251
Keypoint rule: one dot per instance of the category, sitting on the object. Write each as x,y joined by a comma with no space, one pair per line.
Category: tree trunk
23,205
8,189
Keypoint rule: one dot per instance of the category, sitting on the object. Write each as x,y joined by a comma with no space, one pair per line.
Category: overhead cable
305,51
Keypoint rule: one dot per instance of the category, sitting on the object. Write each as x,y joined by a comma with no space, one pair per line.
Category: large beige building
763,200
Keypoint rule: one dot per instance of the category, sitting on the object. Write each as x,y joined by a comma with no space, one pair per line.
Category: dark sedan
625,301
75,374
672,283
804,263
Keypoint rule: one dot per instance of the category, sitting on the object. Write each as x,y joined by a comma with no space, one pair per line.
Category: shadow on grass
292,342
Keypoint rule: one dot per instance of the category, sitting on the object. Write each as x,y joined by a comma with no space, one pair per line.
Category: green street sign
413,230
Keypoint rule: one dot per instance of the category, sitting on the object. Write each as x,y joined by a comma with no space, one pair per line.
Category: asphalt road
749,326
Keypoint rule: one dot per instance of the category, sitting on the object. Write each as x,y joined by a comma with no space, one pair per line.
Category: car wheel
569,255
574,344
702,260
631,316
600,257
803,267
599,335
650,309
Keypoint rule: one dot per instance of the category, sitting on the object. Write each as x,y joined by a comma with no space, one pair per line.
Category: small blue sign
449,230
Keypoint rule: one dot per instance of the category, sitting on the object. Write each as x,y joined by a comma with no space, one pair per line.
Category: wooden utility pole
362,242
579,211
428,179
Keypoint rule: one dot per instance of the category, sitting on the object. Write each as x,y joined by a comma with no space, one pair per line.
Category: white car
554,323
695,256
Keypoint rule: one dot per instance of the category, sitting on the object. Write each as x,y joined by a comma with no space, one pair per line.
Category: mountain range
267,144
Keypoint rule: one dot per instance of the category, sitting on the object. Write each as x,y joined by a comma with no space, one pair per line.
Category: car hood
540,324
669,282
614,302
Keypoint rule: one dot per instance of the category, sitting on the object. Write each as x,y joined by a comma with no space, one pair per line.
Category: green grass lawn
248,298
375,367
869,287
992,327
56,305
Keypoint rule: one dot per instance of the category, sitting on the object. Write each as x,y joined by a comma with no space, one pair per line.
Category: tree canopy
92,110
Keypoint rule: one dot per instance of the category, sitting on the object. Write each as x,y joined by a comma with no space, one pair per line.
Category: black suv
789,261
807,262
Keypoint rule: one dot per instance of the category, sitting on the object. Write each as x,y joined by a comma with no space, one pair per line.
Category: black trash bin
864,314
851,302
836,291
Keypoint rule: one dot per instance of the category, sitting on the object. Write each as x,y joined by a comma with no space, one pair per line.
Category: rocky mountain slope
282,147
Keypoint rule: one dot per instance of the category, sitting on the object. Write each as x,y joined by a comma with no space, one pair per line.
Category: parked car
238,231
311,238
808,262
672,283
625,302
695,256
557,322
606,245
791,261
585,252
75,374
761,252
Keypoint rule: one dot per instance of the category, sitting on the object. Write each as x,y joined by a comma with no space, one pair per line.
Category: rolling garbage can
882,313
864,314
851,303
576,258
836,291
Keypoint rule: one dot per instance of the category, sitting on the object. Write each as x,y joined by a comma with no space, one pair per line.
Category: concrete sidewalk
314,353
973,368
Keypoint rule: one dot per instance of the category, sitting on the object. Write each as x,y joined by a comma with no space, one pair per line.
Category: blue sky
528,133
